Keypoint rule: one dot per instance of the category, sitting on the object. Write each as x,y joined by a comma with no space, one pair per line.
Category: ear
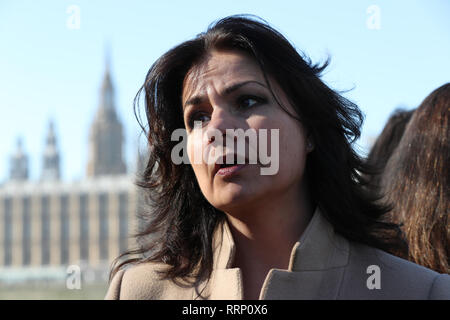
309,144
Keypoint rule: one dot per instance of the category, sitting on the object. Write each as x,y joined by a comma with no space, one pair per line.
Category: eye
248,101
197,116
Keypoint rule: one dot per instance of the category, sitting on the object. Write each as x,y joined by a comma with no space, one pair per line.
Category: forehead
219,69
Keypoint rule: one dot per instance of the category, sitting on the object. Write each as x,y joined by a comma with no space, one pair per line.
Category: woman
416,182
307,231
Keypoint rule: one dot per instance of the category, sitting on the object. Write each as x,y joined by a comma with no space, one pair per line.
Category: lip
229,171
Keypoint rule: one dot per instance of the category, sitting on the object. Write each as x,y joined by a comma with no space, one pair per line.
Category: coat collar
318,251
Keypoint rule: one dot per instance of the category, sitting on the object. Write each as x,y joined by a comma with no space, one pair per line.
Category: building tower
51,168
19,164
106,137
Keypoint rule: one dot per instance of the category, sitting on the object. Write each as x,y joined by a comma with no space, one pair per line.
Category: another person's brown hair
387,142
416,182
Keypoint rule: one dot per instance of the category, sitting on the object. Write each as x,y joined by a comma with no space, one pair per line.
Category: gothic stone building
57,223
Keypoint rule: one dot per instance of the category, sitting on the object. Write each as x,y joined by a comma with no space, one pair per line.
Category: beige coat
323,265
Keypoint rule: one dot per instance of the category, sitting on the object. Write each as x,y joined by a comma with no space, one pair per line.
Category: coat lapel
225,283
316,266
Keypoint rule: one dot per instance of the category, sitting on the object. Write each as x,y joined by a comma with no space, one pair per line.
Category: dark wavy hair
386,144
417,182
178,228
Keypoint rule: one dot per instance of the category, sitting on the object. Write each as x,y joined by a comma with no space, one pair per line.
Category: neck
265,232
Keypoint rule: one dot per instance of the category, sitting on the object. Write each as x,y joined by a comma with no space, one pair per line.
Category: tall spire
51,168
107,89
19,163
106,138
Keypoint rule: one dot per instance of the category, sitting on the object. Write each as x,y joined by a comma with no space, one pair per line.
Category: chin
232,196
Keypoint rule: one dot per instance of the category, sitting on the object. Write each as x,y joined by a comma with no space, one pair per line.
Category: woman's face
227,90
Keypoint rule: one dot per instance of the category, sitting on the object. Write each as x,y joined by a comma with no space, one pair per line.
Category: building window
7,231
103,226
123,222
45,230
26,231
64,201
84,228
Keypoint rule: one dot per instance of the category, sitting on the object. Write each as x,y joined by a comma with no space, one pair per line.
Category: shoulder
385,276
144,281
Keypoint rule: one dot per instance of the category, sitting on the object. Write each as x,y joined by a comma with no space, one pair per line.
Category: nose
221,120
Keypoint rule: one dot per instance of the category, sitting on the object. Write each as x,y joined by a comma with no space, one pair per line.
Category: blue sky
49,71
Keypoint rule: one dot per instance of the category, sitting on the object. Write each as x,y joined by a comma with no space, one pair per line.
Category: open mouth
227,169
227,165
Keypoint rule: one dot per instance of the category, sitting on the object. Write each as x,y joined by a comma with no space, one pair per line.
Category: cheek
293,151
292,143
291,137
194,151
291,146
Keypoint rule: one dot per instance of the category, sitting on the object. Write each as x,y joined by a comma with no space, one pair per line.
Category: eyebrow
199,99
